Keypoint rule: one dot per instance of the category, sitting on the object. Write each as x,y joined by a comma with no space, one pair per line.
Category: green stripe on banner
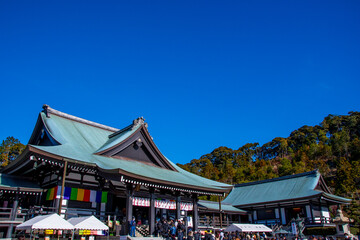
104,197
74,193
48,194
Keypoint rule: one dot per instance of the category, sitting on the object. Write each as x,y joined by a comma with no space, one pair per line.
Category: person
173,231
180,234
190,235
212,235
221,234
21,237
132,227
166,229
197,235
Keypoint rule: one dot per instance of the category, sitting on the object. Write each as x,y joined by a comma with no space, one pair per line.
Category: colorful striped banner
74,193
80,194
77,194
86,195
98,196
67,193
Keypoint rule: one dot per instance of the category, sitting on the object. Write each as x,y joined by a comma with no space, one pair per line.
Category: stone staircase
142,231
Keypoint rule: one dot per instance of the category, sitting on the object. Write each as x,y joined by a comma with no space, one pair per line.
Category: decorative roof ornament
340,218
46,107
139,121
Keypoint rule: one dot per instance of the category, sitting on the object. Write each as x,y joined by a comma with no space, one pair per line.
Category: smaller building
16,193
281,200
211,212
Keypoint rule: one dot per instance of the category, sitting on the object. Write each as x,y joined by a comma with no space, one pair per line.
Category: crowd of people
175,229
178,230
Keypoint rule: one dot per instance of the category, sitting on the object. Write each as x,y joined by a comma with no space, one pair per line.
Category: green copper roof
80,141
13,182
278,189
214,206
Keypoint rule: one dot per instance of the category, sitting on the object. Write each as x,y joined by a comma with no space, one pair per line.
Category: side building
302,197
77,167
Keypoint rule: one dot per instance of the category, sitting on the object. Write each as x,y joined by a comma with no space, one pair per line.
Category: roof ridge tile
48,110
277,179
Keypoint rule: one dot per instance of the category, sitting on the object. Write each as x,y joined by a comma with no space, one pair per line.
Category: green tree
344,179
10,148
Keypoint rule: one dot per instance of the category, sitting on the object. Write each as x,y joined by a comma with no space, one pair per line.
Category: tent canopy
52,221
247,228
88,223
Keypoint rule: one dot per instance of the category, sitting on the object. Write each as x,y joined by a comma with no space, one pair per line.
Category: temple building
77,167
302,197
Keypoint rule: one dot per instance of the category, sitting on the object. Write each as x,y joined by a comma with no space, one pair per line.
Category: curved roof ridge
278,179
48,110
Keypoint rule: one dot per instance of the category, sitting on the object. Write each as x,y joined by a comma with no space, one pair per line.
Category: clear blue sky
204,74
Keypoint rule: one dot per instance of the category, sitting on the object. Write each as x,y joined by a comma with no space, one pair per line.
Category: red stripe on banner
87,195
55,192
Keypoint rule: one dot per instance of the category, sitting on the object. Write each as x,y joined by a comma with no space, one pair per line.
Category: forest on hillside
333,147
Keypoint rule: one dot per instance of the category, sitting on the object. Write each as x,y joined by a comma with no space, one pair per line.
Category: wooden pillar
152,214
321,213
220,214
62,187
195,212
283,216
13,213
311,211
178,207
129,206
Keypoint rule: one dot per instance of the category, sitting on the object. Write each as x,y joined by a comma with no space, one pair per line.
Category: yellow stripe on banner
80,195
52,190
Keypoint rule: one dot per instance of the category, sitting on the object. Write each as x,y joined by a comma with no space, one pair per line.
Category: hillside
333,147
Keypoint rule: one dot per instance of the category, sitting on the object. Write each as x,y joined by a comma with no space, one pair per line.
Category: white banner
162,203
141,202
186,206
293,228
165,204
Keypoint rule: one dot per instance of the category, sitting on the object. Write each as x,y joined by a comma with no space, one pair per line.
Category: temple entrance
141,215
293,213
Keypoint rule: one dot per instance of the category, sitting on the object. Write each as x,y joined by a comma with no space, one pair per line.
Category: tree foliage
333,147
10,148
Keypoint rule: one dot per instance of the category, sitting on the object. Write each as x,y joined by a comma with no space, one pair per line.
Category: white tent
88,223
247,228
52,221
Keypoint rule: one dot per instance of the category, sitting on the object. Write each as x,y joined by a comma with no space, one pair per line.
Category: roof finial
139,121
46,107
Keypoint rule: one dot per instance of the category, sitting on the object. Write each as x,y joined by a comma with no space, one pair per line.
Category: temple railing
7,213
268,222
318,221
214,223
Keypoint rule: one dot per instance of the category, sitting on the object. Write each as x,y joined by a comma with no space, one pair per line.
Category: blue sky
204,74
